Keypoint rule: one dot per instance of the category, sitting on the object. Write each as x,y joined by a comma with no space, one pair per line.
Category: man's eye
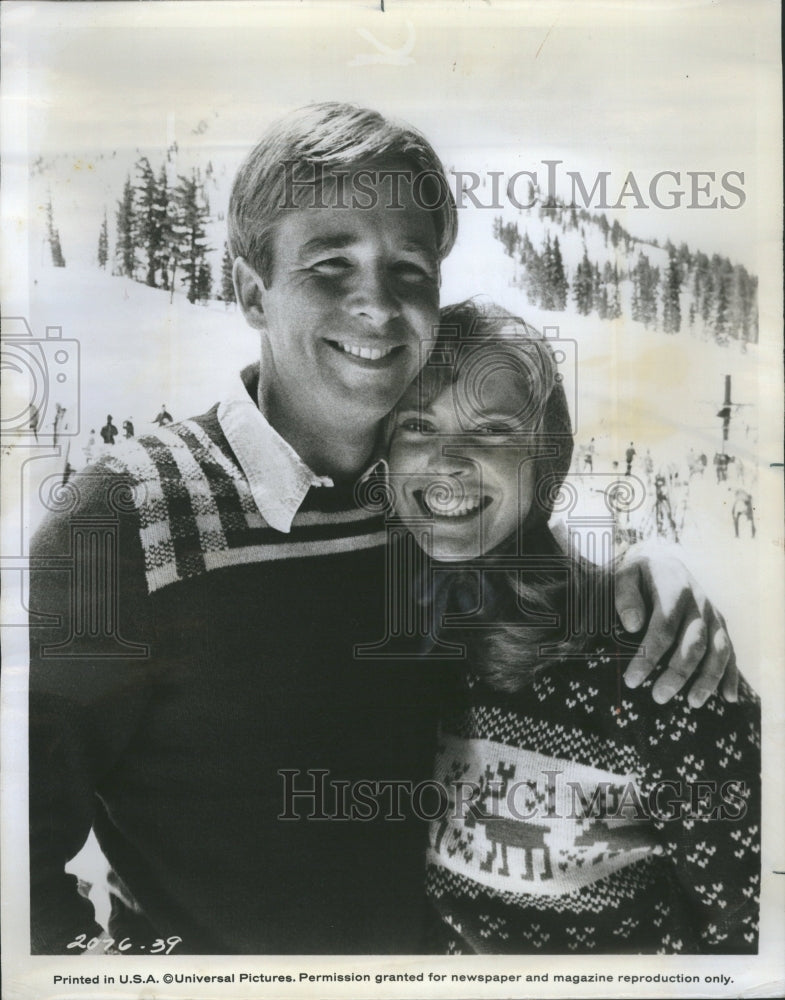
410,271
331,266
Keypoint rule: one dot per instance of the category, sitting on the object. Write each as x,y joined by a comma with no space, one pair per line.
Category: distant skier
663,513
588,457
58,424
128,427
68,469
743,507
109,432
721,463
34,418
89,447
164,417
696,464
629,455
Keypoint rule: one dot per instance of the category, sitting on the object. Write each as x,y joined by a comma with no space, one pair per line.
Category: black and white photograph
392,524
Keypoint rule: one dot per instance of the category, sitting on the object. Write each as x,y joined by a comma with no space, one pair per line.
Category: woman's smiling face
465,466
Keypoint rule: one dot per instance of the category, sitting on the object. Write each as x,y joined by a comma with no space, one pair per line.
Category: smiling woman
560,809
470,440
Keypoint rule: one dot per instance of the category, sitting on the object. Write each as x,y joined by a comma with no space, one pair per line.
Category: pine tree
153,235
204,282
707,297
614,306
685,258
163,210
146,233
546,291
671,306
190,236
747,305
103,244
721,316
125,251
596,287
57,251
526,249
645,279
53,236
509,236
582,286
533,276
557,280
227,282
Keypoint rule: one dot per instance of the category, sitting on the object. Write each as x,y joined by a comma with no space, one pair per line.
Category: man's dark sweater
163,720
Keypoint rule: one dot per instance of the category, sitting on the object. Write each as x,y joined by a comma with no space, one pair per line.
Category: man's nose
374,298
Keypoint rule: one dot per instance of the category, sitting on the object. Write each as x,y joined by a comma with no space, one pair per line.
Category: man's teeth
369,353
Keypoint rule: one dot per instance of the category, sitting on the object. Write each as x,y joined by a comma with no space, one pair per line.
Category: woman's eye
499,429
415,425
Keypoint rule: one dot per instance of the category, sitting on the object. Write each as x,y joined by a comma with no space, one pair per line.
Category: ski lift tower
725,414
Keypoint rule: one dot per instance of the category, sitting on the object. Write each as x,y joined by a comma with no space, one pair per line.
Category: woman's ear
249,289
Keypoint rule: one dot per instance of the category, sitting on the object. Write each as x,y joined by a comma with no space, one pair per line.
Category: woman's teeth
467,506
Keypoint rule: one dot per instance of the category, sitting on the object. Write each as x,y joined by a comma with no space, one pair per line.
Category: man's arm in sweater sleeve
89,657
706,763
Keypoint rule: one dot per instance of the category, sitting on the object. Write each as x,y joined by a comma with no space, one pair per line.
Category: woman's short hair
327,137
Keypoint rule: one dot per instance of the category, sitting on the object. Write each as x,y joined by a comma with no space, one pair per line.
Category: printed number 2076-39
109,945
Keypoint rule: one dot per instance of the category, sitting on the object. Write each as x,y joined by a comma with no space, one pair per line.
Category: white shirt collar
279,479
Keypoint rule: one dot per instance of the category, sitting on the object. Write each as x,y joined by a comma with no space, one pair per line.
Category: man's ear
249,289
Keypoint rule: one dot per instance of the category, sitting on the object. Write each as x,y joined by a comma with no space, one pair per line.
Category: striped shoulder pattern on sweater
197,514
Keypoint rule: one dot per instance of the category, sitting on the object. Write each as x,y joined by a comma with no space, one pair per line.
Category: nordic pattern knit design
578,821
197,514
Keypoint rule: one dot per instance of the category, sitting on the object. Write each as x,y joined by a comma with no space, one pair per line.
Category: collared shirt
278,478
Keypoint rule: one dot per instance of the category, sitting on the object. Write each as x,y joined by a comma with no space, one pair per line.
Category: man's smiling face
353,293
